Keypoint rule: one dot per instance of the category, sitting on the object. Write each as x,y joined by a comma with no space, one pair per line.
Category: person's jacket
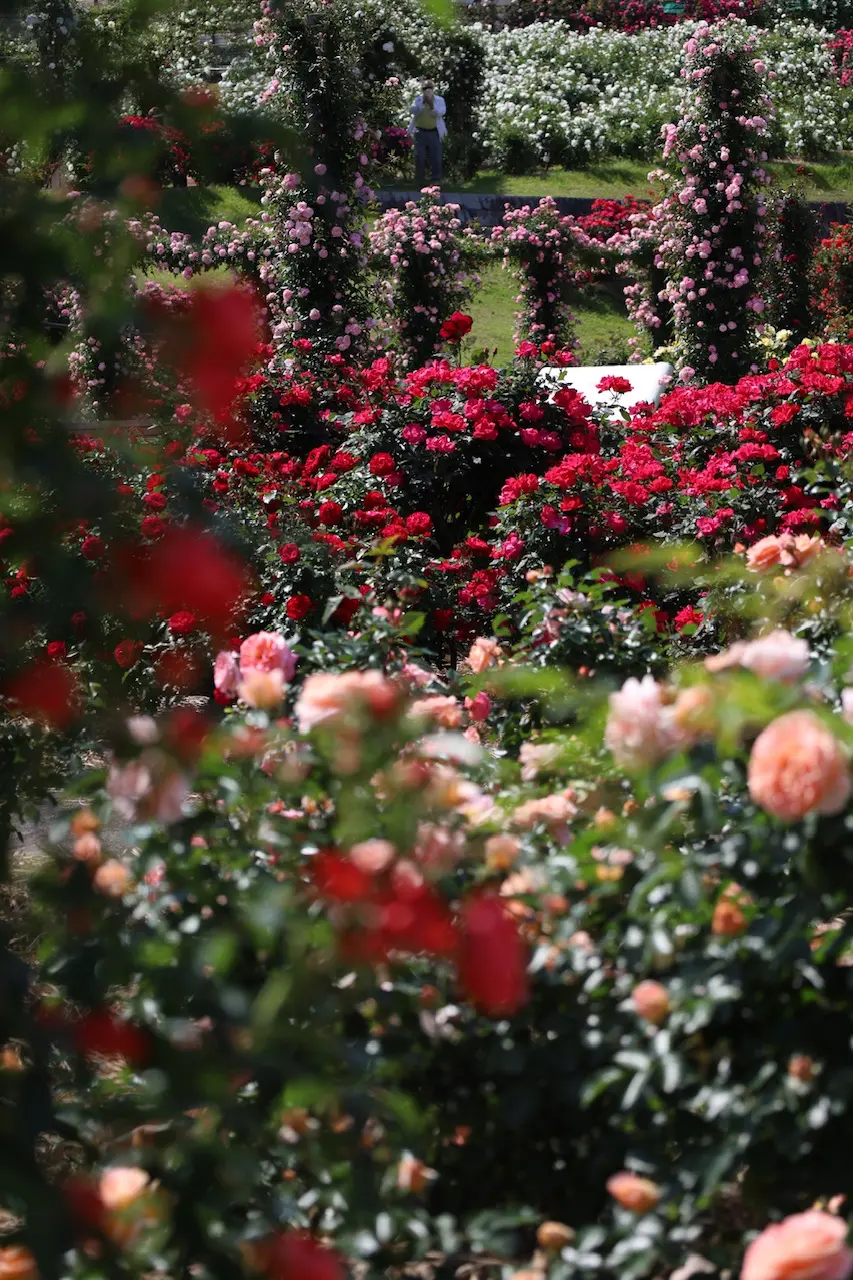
438,107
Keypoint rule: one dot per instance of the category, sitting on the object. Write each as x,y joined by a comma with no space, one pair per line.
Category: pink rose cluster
258,673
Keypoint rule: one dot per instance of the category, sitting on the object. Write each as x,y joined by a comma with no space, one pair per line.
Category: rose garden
442,778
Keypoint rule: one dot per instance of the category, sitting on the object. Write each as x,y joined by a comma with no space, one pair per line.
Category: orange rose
806,1246
639,1195
728,920
17,1263
482,654
554,1236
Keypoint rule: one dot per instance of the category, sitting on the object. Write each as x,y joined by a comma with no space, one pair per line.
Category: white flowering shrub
553,96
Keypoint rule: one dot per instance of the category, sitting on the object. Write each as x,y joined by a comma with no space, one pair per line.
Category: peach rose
372,856
120,1186
777,656
554,812
87,848
640,728
267,651
536,756
797,767
502,851
651,1000
765,553
806,546
806,1246
629,1190
112,878
17,1263
482,654
694,712
801,1067
554,1236
445,710
413,1175
327,696
262,689
148,787
438,847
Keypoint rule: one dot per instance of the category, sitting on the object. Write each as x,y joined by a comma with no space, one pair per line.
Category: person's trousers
427,153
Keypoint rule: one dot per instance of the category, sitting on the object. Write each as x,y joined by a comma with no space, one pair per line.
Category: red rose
381,464
156,501
455,327
419,522
493,957
336,879
346,610
127,653
330,513
92,548
102,1033
57,649
289,553
46,692
153,527
78,620
182,623
295,1255
298,607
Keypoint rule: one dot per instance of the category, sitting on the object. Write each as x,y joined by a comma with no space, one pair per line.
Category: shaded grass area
603,327
194,209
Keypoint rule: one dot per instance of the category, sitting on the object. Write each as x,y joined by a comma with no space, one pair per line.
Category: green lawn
830,181
603,327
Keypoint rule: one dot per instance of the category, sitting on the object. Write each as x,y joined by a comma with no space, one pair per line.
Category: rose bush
452,865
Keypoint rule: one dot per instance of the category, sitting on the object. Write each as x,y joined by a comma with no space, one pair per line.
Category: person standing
428,129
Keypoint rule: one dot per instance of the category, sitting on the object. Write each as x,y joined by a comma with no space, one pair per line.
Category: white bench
648,383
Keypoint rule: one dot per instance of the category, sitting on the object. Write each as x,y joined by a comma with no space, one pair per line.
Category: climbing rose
797,767
806,1246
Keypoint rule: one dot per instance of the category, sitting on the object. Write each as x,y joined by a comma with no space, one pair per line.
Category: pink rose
267,651
640,729
226,674
797,767
806,1246
777,656
327,696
